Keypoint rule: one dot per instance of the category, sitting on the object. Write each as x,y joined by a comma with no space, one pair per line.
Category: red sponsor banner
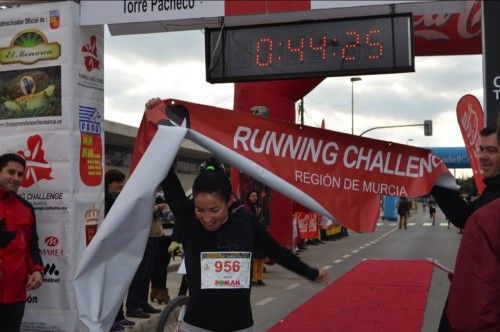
308,224
37,168
337,175
471,120
446,33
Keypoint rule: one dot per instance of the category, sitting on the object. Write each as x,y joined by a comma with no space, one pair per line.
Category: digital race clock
355,46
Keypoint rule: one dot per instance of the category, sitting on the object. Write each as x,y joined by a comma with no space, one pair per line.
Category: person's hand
173,247
34,280
160,207
323,276
152,102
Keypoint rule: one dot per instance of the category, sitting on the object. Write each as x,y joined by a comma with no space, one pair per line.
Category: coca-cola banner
449,33
51,113
491,65
471,120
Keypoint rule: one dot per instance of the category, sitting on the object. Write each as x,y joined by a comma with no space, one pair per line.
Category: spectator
252,206
404,212
455,208
432,211
159,290
113,185
137,298
21,266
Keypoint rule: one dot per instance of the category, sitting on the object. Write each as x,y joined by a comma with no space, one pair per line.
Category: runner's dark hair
212,180
5,158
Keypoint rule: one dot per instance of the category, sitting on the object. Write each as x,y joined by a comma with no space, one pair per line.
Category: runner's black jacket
222,309
456,209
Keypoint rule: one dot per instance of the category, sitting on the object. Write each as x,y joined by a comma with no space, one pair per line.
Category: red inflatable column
279,97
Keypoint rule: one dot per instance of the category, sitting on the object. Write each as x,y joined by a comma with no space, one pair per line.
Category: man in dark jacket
20,261
455,208
451,203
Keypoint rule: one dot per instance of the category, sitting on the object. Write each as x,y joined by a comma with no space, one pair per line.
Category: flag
471,120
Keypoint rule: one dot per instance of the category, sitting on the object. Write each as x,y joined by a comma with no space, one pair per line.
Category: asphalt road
285,291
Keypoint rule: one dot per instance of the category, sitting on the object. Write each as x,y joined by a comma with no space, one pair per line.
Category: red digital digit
265,59
227,266
298,50
347,50
218,266
377,47
320,47
236,266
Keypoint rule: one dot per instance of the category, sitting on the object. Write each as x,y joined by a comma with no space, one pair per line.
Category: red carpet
376,295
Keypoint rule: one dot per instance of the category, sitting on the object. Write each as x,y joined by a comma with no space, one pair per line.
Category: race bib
225,270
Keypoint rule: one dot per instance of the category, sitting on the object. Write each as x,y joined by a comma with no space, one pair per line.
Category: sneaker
260,283
116,327
126,323
137,313
149,309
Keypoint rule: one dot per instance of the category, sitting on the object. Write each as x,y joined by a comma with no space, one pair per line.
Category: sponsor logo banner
90,145
29,46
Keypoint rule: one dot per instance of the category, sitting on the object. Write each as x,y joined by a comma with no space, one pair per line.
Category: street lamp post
353,79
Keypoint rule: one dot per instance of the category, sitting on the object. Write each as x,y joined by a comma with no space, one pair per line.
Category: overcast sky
172,65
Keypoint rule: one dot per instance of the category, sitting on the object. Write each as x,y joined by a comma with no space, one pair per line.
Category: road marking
411,224
346,256
427,224
361,248
327,267
292,286
355,251
266,301
444,224
337,261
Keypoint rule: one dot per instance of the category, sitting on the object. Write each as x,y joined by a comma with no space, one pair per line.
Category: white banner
128,11
51,113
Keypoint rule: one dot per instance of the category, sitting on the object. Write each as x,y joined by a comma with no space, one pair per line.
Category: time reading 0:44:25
370,45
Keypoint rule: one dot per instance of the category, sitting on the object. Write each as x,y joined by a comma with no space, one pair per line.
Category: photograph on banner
30,93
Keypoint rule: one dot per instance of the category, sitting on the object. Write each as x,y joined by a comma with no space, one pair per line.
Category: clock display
368,45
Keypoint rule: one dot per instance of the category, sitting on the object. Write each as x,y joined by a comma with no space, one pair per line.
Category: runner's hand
152,102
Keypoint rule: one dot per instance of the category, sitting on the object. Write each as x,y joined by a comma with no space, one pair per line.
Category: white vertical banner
51,113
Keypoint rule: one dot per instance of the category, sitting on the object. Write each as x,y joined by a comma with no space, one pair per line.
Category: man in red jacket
20,262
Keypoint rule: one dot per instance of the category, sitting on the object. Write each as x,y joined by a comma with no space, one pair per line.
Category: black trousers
159,276
11,315
138,291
